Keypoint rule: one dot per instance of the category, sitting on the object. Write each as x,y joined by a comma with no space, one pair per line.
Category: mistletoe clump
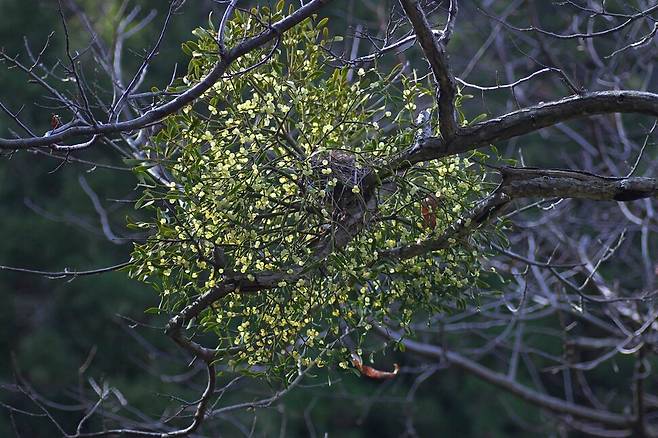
275,197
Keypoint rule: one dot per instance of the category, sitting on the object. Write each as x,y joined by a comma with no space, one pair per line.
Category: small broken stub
371,372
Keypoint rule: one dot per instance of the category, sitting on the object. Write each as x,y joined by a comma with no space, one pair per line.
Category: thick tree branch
547,183
435,52
531,119
533,183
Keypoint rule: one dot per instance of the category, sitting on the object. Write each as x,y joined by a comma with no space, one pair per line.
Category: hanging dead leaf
371,372
428,207
55,121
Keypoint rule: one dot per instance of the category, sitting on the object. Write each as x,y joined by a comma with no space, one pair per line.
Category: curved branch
222,27
576,35
545,401
197,419
534,118
399,44
529,183
160,112
450,23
